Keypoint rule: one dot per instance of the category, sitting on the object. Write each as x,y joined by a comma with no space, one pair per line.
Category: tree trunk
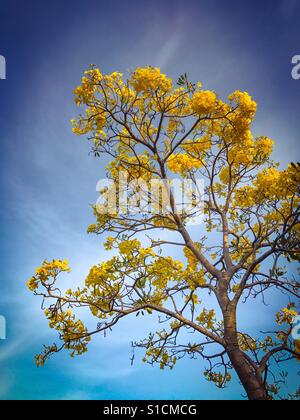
247,374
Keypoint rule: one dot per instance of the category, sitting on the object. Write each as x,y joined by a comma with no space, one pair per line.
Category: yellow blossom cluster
128,247
198,146
235,129
173,126
106,278
176,103
136,167
270,184
203,102
156,354
109,243
100,274
286,315
150,79
250,151
217,378
225,175
191,259
94,120
46,271
246,342
84,93
264,146
71,331
207,318
164,270
246,105
183,163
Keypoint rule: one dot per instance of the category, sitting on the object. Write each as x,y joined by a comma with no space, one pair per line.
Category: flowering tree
153,130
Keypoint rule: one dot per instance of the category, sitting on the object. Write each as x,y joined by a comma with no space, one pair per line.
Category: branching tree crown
153,129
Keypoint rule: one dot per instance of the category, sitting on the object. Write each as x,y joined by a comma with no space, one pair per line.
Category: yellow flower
203,102
32,284
182,163
46,271
198,146
150,79
191,259
224,175
128,247
207,318
264,146
244,101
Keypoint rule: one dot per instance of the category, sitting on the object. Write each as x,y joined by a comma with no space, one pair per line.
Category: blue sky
48,179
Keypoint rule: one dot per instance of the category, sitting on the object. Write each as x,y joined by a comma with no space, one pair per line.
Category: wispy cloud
12,348
169,49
